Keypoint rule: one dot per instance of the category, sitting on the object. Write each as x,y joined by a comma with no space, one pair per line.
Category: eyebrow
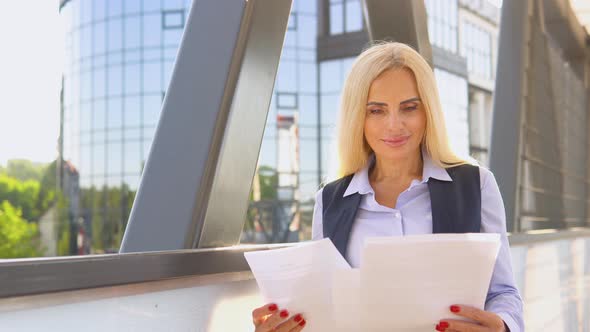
375,103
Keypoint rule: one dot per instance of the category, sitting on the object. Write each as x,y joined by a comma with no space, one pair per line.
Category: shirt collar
360,181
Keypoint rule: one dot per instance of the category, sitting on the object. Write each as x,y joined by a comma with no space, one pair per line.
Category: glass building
119,56
118,59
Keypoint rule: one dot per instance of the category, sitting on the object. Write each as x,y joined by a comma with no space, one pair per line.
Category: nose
394,120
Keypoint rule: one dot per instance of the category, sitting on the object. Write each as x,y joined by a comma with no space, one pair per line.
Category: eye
410,108
375,111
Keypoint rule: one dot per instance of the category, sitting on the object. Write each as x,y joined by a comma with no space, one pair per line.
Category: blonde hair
353,149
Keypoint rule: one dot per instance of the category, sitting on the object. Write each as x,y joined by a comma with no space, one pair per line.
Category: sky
30,78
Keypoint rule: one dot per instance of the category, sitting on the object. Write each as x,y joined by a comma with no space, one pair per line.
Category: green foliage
18,238
29,187
24,170
110,208
63,226
23,195
268,182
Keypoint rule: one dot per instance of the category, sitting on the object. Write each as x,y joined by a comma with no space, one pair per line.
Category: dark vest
456,205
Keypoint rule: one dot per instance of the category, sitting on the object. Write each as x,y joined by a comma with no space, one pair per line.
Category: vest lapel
443,213
341,221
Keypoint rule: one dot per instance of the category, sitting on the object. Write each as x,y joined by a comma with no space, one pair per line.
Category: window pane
152,106
152,30
98,156
132,157
115,28
306,31
287,76
132,112
354,16
99,10
99,115
99,83
114,113
336,22
114,162
173,19
151,5
115,78
132,79
115,8
132,35
132,6
152,73
100,38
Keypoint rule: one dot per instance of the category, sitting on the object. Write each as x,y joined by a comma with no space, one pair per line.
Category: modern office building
119,56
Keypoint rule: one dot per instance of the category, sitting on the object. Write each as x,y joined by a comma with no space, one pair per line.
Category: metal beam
195,185
399,20
509,104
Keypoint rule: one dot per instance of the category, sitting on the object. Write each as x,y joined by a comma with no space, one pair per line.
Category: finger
273,320
290,324
461,326
258,314
300,326
485,318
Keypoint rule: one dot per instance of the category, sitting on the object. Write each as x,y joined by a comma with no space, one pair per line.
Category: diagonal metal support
195,186
399,20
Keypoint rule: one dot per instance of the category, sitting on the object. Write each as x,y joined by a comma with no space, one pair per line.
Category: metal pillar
195,185
399,20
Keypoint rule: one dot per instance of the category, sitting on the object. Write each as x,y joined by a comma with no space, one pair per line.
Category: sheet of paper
346,287
409,282
300,279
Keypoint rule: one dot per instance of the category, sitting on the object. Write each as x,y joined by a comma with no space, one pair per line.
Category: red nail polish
444,325
438,328
455,308
302,323
284,313
298,318
272,307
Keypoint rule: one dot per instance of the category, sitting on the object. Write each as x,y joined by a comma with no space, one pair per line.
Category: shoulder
486,177
337,185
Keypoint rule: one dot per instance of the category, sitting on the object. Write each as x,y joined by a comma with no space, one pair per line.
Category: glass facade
119,56
442,23
118,59
345,16
476,47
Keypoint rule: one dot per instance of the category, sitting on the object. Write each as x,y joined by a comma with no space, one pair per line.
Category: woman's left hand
485,321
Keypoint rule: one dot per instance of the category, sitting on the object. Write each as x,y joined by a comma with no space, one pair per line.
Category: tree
23,195
24,170
18,238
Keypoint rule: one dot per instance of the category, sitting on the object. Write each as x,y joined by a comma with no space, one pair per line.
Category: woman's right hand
269,318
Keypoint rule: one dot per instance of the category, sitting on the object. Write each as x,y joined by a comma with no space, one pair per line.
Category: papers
410,282
299,279
405,283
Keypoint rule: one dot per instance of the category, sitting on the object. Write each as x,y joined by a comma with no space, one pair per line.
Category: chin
397,153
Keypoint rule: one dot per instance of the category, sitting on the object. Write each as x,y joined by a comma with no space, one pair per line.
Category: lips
396,141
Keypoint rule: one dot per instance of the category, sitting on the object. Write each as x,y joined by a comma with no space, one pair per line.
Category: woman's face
395,119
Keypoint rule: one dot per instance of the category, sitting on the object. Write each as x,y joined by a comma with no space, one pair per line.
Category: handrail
29,276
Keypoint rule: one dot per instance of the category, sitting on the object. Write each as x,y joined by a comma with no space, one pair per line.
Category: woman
399,176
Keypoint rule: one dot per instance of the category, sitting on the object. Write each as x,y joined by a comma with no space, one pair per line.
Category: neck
398,169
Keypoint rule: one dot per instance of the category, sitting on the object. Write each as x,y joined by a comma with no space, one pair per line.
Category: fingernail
455,308
302,323
298,318
284,313
444,325
272,307
439,328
